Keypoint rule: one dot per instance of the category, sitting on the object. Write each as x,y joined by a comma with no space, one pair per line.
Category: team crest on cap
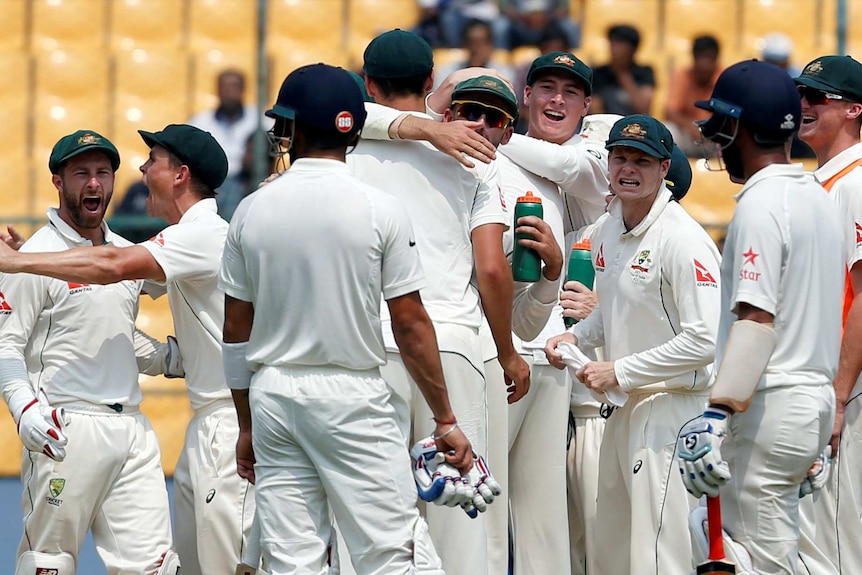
788,123
634,131
565,60
488,83
88,139
813,68
344,122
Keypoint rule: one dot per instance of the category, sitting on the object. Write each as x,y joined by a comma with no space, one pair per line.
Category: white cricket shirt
847,192
579,166
76,339
445,203
785,253
658,299
313,250
190,253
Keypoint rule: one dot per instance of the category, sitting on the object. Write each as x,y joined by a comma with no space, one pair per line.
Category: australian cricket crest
55,488
640,266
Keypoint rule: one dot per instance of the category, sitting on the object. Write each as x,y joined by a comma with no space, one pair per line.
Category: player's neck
404,103
834,146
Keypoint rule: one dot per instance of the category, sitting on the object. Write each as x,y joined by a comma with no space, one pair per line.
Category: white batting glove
698,453
437,481
818,474
173,360
485,487
42,428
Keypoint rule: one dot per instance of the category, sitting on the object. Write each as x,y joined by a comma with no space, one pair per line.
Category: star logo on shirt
750,256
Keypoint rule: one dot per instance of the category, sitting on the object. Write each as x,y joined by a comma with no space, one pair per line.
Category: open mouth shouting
555,115
92,204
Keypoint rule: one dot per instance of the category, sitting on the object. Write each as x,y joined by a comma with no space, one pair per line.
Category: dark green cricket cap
840,75
643,133
565,61
78,143
195,148
487,85
360,81
678,178
398,54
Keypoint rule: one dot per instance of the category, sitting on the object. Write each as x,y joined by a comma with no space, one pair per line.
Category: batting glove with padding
485,487
436,481
818,473
173,366
42,428
699,455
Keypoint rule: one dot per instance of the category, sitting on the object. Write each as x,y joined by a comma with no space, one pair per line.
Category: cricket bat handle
716,541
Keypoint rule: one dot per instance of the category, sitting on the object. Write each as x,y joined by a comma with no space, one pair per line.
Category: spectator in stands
478,41
687,86
231,124
455,14
524,22
622,86
777,48
552,40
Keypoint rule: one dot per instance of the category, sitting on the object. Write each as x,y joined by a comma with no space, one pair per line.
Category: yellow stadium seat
599,15
219,24
14,100
684,20
446,56
15,198
854,29
304,23
207,66
69,24
71,93
710,199
524,54
796,18
146,24
13,25
369,18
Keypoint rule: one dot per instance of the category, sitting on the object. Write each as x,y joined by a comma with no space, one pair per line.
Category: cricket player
68,373
771,409
655,269
317,427
830,88
459,221
214,506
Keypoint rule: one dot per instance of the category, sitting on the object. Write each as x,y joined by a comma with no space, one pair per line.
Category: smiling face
85,184
823,118
635,175
557,103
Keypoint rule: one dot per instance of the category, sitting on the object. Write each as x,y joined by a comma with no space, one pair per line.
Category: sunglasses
817,97
473,111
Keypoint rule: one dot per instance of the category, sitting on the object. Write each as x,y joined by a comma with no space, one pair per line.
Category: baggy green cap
197,149
565,61
840,75
487,85
643,133
398,54
78,143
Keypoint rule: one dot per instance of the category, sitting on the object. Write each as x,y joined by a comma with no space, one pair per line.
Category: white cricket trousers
497,456
461,541
214,506
642,510
537,473
770,448
111,482
583,481
326,437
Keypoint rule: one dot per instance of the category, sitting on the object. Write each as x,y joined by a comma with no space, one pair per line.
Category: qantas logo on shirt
5,308
502,197
704,278
78,288
600,258
858,233
749,257
159,239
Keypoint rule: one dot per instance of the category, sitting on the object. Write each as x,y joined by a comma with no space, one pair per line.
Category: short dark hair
410,86
705,43
625,33
476,23
200,188
232,72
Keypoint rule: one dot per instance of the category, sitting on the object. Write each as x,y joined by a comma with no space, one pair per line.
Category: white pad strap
31,562
236,370
749,347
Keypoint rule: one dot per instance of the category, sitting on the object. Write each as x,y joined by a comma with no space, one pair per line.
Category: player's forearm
532,306
552,161
99,265
417,343
496,291
850,360
243,409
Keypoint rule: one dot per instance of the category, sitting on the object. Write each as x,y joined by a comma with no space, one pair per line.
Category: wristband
452,421
236,372
445,433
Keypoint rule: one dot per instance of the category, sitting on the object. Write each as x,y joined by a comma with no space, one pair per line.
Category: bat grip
716,541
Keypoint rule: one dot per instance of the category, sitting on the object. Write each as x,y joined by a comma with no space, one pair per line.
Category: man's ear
507,135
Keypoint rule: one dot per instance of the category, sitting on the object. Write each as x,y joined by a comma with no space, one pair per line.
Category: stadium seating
368,18
68,24
685,20
599,15
13,25
222,25
146,24
283,63
799,20
305,24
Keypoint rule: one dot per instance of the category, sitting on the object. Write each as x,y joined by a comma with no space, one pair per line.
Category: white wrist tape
236,370
749,347
19,400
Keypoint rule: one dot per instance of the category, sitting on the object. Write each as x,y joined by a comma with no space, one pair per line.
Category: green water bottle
580,269
526,263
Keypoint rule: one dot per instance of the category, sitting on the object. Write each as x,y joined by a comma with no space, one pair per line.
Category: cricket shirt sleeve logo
159,239
5,308
600,258
749,261
858,233
703,276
